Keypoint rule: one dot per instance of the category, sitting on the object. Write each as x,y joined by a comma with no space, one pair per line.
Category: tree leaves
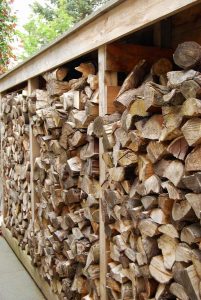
7,29
50,20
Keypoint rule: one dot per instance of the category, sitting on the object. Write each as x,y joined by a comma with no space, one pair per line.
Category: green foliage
47,11
79,9
52,19
39,30
7,25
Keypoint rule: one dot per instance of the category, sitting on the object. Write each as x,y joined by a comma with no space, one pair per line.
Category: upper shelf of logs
151,207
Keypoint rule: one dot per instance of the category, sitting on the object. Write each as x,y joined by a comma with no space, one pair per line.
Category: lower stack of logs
152,193
152,196
16,167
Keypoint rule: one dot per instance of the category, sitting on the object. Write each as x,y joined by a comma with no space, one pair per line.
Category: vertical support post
163,33
105,79
102,112
34,149
157,34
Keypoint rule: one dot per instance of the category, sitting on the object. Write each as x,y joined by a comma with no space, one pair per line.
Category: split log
57,88
169,230
135,78
158,270
86,69
161,67
172,121
192,131
152,128
176,78
158,216
191,108
178,148
192,162
178,290
191,234
73,166
148,227
195,202
182,211
172,170
58,74
168,247
156,151
173,192
189,89
188,55
193,182
190,282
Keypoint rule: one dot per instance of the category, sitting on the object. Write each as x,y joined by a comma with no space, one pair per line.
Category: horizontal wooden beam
115,21
122,58
26,261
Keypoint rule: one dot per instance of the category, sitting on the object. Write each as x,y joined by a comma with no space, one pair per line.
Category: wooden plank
102,112
166,33
122,58
105,107
26,261
112,92
34,150
163,33
116,21
157,34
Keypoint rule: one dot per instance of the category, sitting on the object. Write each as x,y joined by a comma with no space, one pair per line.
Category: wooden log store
101,156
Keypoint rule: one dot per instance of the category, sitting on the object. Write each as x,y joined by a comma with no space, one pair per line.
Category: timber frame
114,21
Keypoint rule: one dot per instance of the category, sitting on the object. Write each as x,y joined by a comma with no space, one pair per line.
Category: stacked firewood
152,195
65,245
16,166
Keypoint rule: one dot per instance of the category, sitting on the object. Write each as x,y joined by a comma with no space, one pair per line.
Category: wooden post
34,149
102,112
157,34
105,79
163,33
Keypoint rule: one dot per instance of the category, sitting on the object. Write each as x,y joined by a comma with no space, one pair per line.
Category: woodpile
16,166
152,195
152,189
65,245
